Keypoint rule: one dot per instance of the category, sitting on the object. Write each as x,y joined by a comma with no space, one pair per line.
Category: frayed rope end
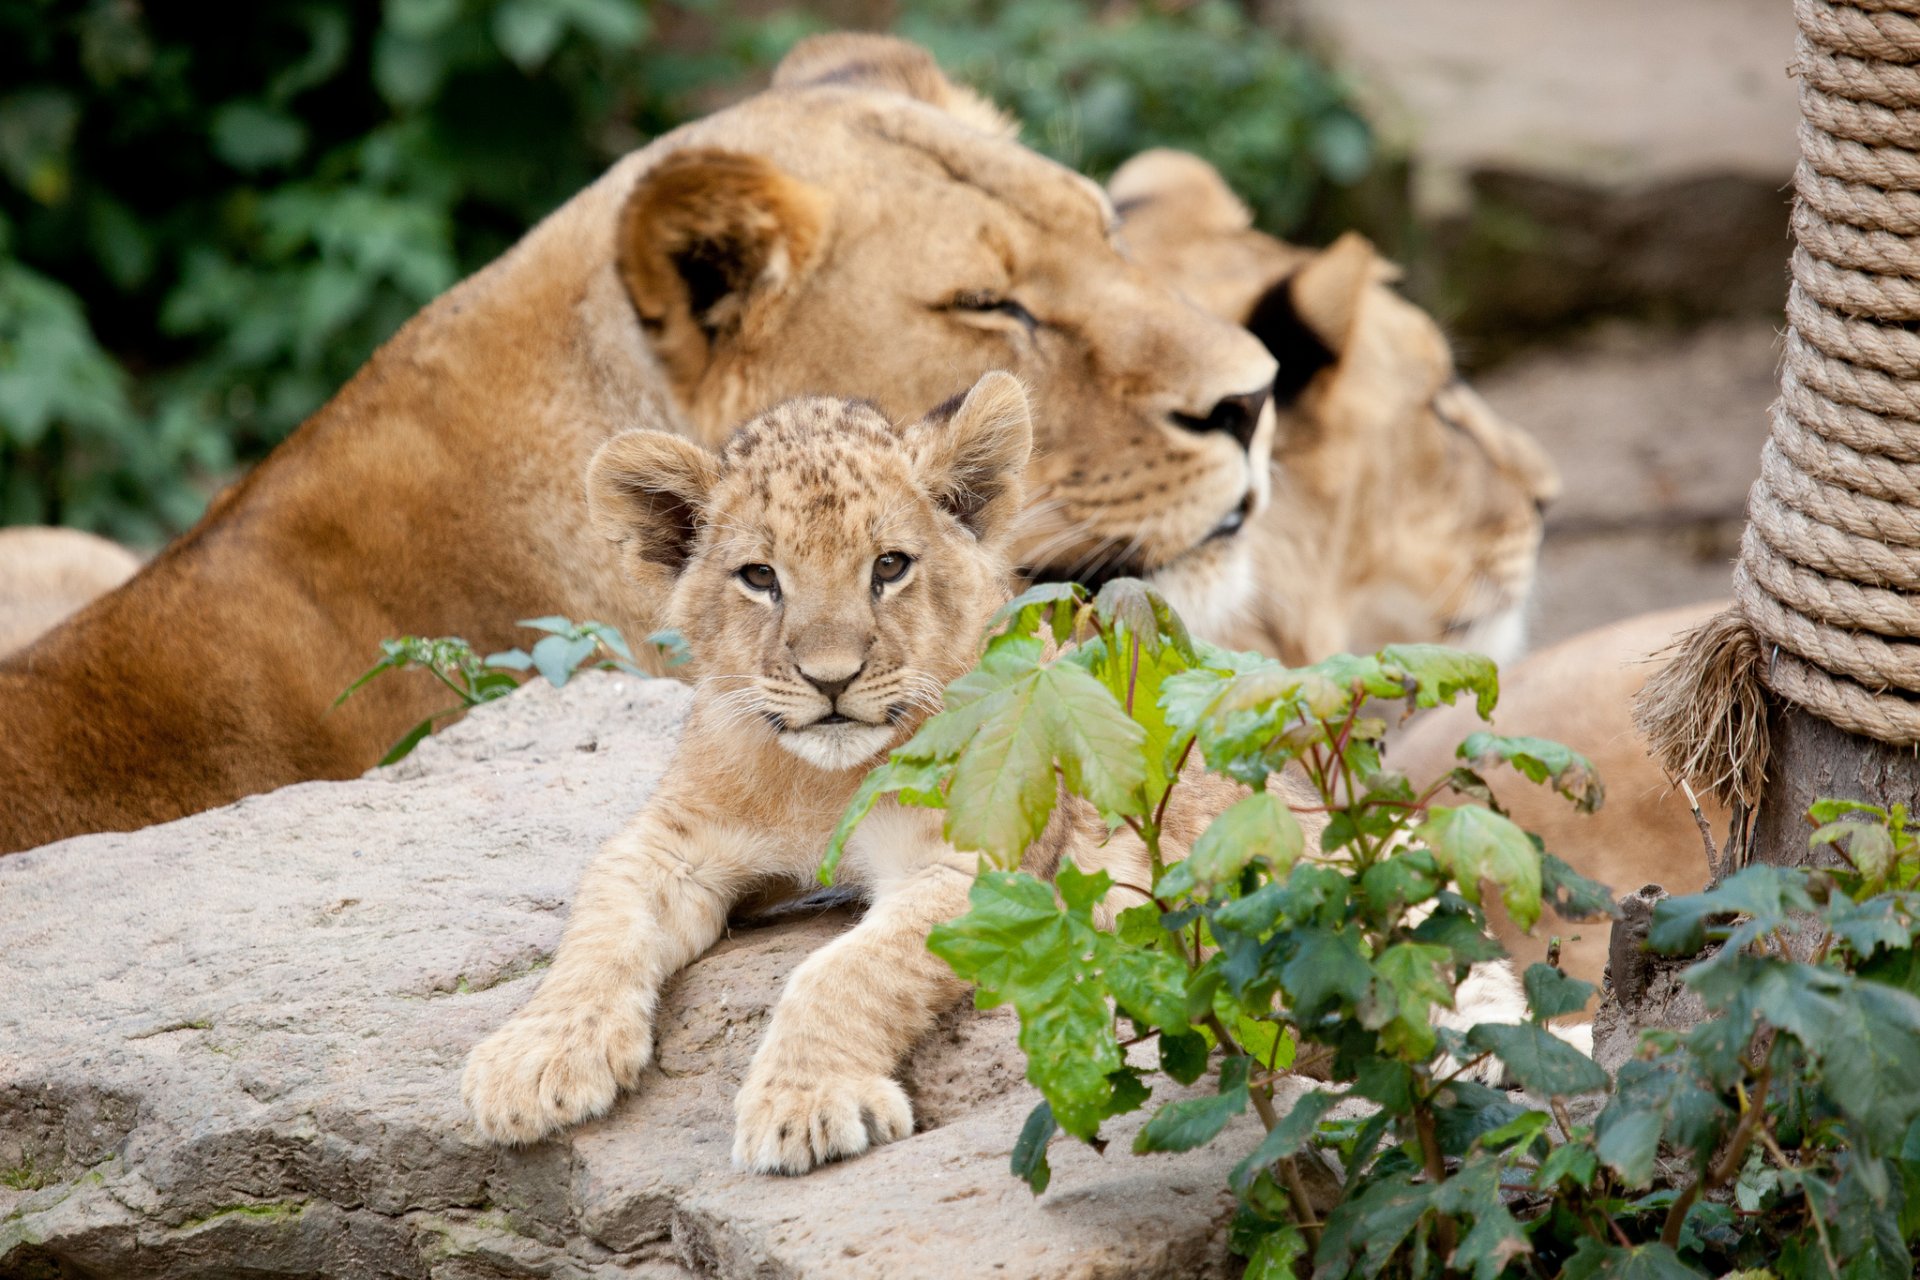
1704,714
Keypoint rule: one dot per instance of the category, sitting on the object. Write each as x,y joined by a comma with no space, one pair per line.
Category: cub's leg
822,1085
654,899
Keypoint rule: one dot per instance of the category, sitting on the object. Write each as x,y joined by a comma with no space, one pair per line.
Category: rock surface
231,1045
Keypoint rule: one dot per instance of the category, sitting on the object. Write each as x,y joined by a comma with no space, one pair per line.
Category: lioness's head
1404,508
866,229
830,572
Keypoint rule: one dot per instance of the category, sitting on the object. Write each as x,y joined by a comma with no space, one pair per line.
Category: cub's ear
890,65
646,490
1306,319
711,244
973,457
1179,189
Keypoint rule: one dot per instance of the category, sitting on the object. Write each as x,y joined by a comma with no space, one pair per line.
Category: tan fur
47,574
1581,692
1404,508
837,235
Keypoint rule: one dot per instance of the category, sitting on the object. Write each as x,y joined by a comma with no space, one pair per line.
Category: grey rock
232,1045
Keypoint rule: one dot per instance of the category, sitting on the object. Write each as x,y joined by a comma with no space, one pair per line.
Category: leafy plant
566,647
1782,1133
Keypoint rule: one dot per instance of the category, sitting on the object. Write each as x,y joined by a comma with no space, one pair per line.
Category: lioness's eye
891,567
993,303
760,577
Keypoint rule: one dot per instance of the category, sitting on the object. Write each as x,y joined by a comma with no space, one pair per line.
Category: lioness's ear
891,65
1179,188
711,243
1306,319
646,490
974,458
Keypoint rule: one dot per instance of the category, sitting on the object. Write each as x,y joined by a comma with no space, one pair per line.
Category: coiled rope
1827,588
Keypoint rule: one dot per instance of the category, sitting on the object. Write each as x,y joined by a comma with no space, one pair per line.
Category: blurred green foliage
211,214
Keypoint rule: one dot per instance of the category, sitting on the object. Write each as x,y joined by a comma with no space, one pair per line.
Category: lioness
1404,508
830,575
862,228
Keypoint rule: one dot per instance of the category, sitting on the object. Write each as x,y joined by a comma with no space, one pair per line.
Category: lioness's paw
791,1126
542,1072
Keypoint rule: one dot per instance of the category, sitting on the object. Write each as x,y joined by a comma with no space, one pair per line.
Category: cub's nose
832,687
1238,416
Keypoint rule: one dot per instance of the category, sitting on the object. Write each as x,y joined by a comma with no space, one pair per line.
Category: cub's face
831,573
839,235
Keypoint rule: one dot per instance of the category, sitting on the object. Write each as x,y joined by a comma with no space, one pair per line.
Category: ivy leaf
1003,787
1294,1131
1571,895
1151,986
1016,943
1542,1062
1438,674
1374,1223
1540,760
1663,1097
1030,1151
1496,1238
1476,844
1194,1122
1326,969
1767,894
1596,1261
1277,1256
1184,1057
1259,827
1551,993
1412,971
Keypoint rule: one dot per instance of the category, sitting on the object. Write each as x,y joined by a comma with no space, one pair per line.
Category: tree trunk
1812,759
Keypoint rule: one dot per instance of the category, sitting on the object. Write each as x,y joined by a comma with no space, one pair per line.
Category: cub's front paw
544,1071
791,1125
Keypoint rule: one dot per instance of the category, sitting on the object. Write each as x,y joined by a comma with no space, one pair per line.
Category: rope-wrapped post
1810,684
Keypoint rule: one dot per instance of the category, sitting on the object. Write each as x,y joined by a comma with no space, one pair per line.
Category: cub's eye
891,567
760,577
983,303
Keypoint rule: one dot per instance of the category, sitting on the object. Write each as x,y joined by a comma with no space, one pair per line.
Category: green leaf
1151,986
251,136
1030,1151
1325,970
1021,615
1003,787
1543,1063
1278,1256
1439,674
1415,972
1551,993
1475,844
1018,944
1570,1161
1184,1057
1194,1122
557,657
1571,895
1768,894
401,749
1867,845
1596,1261
1662,1098
1540,760
1259,827
1401,880
1496,1238
1294,1131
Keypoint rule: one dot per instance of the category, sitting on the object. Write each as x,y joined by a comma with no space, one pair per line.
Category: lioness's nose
1238,416
835,686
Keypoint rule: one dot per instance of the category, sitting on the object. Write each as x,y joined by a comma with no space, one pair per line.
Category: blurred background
211,214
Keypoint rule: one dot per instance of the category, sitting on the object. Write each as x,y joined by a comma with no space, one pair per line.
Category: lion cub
831,574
